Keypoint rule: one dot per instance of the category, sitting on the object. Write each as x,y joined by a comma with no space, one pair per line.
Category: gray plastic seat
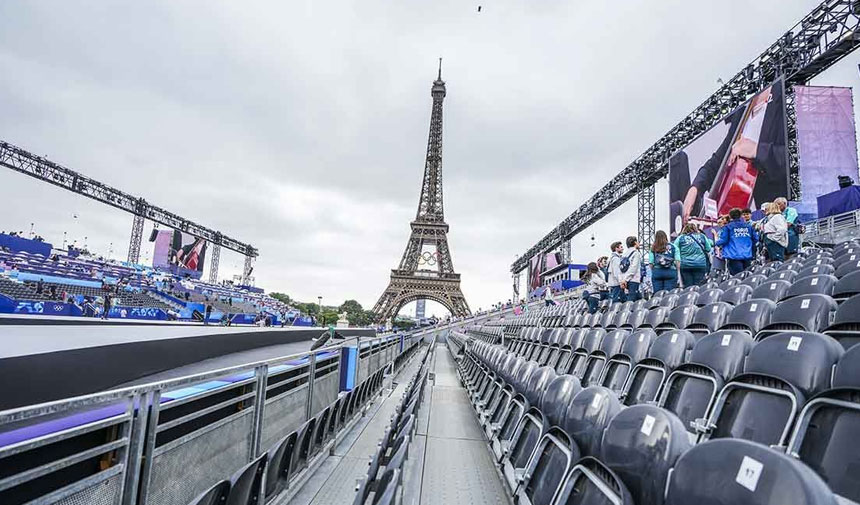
737,295
596,361
634,319
816,270
588,414
751,316
729,283
507,425
557,396
555,455
826,433
537,383
641,444
847,267
846,323
821,284
771,290
633,350
247,483
679,318
709,318
215,495
754,280
780,372
590,343
646,378
590,482
709,296
801,313
688,298
742,472
847,286
783,275
279,457
692,387
530,428
669,300
656,317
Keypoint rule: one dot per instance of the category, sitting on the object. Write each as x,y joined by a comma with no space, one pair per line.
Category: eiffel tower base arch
405,289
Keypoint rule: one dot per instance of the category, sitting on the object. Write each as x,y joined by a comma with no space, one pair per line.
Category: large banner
826,142
179,253
534,272
740,162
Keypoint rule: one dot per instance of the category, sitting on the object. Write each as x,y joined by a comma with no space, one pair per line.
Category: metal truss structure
35,166
422,274
820,39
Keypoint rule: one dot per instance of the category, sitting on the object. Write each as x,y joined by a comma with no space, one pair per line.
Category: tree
282,297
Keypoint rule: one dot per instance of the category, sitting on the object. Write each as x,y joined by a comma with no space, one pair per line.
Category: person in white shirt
616,277
547,297
774,228
633,276
596,289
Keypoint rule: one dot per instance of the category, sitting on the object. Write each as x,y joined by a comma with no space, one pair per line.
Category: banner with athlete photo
741,162
534,272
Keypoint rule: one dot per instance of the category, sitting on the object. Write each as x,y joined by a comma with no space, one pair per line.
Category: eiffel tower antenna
426,270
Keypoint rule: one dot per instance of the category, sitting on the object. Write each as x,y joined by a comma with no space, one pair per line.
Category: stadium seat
822,284
737,295
846,324
558,394
634,349
590,343
656,317
750,316
386,488
754,281
634,319
591,482
816,270
773,290
504,430
247,483
783,275
215,495
530,428
847,286
801,313
709,318
553,458
278,467
742,472
688,298
596,361
304,446
847,267
826,433
679,318
709,296
537,383
780,372
588,414
729,283
669,301
494,414
642,444
692,387
646,378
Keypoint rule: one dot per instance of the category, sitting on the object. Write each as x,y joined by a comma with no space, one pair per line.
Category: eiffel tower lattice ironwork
426,271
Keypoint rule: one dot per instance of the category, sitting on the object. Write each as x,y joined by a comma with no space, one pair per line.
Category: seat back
588,414
816,270
215,495
783,275
591,482
737,295
750,316
847,286
537,384
386,489
821,284
773,290
641,444
554,457
656,316
710,317
246,484
635,318
754,281
278,467
709,296
669,300
724,352
747,473
800,313
530,429
848,267
803,359
557,396
688,298
681,317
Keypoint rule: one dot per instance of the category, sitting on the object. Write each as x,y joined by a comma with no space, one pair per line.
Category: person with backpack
596,289
616,276
664,267
774,230
631,267
692,250
738,240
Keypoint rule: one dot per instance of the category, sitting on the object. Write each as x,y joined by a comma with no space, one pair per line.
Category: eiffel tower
426,271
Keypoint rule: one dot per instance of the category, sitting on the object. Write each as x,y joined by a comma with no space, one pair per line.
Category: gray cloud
301,126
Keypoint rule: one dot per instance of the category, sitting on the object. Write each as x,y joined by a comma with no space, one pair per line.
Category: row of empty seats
383,483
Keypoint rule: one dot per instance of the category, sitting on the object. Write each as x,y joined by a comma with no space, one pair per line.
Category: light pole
322,319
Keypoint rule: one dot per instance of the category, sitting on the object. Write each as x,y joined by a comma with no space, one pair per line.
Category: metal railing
165,442
834,229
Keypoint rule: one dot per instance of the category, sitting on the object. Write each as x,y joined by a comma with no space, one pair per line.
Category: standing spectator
603,266
547,297
40,286
738,240
718,264
596,289
775,232
283,315
208,313
790,215
691,253
633,272
747,215
664,266
616,291
108,302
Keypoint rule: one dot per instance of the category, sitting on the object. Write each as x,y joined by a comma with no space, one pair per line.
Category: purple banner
826,142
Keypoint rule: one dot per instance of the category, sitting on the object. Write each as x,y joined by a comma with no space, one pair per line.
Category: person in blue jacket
737,240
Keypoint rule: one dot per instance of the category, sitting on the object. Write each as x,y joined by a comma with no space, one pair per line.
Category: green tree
282,297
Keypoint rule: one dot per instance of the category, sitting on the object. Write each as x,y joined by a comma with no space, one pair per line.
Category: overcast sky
301,127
